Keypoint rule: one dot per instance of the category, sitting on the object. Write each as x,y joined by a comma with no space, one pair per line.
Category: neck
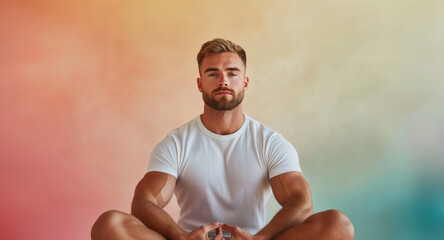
223,122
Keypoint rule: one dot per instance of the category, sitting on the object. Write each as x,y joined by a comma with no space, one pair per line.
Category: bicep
156,187
290,186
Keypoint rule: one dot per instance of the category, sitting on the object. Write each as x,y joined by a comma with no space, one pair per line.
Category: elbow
135,207
140,205
304,212
308,209
302,208
308,204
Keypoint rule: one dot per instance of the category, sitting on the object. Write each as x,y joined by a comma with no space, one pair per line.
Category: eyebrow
216,69
211,70
233,69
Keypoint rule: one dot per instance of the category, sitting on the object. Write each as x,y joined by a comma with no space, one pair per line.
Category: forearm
291,214
155,218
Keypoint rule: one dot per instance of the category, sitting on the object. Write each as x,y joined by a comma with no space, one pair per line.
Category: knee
107,221
339,224
111,217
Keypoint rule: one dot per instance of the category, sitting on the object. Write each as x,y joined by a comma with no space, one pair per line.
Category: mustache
223,89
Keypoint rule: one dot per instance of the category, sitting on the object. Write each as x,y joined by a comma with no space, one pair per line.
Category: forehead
222,61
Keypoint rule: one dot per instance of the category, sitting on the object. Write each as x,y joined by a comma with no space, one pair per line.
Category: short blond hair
220,45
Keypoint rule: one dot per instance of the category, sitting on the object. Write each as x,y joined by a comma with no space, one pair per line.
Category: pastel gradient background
87,88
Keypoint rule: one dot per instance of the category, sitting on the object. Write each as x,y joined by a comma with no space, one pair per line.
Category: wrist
260,237
181,237
177,235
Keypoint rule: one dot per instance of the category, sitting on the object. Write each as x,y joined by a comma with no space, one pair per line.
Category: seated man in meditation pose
223,166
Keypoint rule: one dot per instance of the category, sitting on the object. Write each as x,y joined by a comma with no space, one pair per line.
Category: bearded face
223,81
223,99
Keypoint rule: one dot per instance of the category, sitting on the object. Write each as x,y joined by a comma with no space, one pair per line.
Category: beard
221,103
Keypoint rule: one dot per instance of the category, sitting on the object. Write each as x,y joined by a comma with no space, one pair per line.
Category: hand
201,233
237,233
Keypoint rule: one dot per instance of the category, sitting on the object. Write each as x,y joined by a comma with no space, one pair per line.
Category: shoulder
261,131
255,125
179,135
279,154
272,141
183,130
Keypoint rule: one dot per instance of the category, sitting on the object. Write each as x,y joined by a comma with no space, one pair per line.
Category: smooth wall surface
87,88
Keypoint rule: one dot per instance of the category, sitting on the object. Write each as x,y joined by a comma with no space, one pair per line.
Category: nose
223,81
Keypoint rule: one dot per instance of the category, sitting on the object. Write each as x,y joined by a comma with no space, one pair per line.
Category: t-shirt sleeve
282,156
164,157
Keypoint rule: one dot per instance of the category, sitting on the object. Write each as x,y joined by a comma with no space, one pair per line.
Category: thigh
330,224
119,225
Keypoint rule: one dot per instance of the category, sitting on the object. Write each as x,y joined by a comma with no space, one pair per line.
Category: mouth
223,92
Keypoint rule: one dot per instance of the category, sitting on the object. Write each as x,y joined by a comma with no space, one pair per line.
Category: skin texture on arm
293,193
152,194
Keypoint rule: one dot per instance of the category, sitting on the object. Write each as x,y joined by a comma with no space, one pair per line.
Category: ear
199,84
246,82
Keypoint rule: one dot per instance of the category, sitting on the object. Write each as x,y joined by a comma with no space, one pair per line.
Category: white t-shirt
223,178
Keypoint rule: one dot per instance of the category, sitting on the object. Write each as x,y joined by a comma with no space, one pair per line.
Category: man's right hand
201,233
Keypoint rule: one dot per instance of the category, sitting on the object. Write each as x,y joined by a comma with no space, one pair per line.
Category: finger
212,226
218,230
230,228
219,235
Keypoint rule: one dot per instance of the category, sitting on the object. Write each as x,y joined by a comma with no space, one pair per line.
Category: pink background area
84,97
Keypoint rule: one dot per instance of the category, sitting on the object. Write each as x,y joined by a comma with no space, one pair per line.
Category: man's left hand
237,233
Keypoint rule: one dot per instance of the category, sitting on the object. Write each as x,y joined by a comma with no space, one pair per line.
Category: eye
212,75
232,74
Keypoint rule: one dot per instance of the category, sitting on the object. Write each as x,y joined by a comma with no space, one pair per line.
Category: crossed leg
116,225
328,225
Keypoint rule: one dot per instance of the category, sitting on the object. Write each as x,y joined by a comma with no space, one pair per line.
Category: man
222,167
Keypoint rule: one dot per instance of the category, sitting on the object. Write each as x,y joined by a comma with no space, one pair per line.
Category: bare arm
152,194
293,193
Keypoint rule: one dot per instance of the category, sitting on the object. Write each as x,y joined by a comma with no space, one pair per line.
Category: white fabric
223,178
